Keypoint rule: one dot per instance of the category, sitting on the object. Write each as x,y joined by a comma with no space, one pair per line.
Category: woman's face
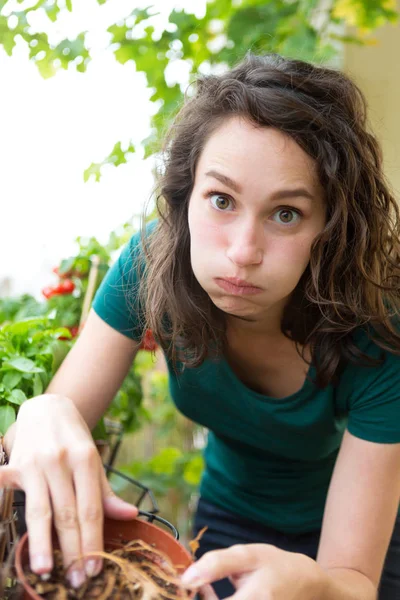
255,209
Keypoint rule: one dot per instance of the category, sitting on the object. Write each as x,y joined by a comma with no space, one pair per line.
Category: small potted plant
141,560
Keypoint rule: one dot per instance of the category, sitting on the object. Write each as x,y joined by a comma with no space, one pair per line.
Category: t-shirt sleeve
374,399
117,301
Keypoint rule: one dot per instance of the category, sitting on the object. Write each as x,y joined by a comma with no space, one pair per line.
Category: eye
287,216
220,202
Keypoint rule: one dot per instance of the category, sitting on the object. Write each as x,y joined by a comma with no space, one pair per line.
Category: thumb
219,564
10,478
115,507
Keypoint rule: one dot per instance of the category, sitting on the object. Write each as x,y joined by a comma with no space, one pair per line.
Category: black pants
226,529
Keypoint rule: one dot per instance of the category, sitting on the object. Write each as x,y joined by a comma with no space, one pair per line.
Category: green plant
127,406
36,337
30,353
170,468
306,29
64,301
22,307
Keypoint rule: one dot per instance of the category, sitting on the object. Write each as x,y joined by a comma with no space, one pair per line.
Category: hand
257,571
54,460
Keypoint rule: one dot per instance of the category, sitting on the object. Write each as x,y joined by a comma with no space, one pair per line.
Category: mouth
237,287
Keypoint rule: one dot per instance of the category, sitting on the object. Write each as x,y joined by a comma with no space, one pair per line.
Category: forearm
347,584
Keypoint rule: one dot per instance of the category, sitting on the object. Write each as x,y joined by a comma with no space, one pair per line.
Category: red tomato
48,292
148,342
66,287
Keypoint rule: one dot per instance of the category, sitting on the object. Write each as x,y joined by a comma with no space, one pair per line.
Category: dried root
135,572
195,544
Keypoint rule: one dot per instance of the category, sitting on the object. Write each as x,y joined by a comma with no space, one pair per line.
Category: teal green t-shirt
267,459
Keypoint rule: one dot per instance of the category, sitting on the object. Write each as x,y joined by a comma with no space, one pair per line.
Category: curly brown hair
352,279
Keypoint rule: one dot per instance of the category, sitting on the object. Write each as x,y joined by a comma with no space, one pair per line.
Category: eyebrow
225,180
279,195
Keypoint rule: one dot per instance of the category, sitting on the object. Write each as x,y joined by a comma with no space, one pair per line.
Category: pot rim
21,546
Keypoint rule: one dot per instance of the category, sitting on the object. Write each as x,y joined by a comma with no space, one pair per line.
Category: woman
271,282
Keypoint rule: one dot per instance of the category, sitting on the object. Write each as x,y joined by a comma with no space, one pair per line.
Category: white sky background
52,130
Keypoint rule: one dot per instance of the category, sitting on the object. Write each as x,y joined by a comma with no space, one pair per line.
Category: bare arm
358,522
359,516
95,368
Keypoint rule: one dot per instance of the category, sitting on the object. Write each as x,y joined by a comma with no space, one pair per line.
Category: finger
88,486
38,516
239,578
207,593
10,478
219,564
65,514
115,507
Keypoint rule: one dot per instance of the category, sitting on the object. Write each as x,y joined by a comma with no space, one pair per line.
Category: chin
238,306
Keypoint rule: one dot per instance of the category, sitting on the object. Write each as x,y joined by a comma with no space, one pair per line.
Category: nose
246,246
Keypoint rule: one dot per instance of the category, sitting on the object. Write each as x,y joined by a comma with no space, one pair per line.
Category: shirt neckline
306,384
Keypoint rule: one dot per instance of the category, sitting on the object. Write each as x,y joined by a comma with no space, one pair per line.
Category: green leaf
52,11
193,470
95,170
16,397
126,52
68,4
116,157
49,334
301,43
24,326
11,380
62,332
46,68
24,365
100,432
118,32
59,351
37,385
165,461
68,50
44,379
7,418
367,15
66,265
8,41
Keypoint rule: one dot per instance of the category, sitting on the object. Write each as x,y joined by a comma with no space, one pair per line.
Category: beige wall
376,69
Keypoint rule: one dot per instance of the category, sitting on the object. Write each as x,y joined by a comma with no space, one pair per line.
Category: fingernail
40,562
192,576
92,567
76,578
